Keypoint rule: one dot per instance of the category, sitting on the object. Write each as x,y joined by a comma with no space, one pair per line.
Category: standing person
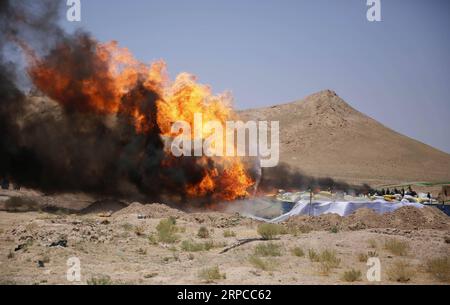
429,196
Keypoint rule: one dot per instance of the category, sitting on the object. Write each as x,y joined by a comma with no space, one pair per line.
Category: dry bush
352,276
313,255
203,232
362,257
297,251
263,264
269,231
166,230
229,233
10,255
191,246
269,249
400,271
210,275
327,258
372,254
139,230
334,229
100,280
439,268
396,247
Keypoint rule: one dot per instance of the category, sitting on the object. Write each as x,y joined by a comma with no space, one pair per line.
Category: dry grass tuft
229,233
352,276
203,232
269,249
210,275
439,268
297,251
397,247
166,231
263,264
269,231
400,271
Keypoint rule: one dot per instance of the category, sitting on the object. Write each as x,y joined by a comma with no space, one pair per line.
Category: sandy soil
117,246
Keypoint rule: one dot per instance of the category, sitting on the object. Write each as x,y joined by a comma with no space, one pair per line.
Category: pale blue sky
268,52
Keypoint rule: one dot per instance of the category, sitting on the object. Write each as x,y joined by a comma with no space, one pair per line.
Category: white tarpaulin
342,208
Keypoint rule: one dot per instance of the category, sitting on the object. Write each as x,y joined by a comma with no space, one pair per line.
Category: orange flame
116,74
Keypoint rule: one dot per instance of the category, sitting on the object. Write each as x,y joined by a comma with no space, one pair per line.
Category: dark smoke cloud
284,177
65,148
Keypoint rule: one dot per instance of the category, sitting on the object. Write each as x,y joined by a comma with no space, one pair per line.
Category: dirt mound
104,206
405,218
154,210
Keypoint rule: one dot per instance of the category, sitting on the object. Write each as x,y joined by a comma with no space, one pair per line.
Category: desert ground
133,243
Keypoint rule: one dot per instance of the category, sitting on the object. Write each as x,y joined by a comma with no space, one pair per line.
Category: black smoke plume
61,147
286,178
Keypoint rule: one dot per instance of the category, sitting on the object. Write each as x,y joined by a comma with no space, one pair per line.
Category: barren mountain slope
323,136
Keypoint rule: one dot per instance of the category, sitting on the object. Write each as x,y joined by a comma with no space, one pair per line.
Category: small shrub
297,251
210,275
363,257
372,243
10,255
268,231
100,280
191,246
399,271
396,247
352,275
203,232
313,255
269,249
229,233
334,229
372,254
439,268
153,239
139,230
329,257
166,230
259,263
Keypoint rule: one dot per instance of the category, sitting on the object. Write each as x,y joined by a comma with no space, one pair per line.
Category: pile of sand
154,210
405,218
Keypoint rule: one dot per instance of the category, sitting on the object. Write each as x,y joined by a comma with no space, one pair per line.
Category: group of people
395,191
